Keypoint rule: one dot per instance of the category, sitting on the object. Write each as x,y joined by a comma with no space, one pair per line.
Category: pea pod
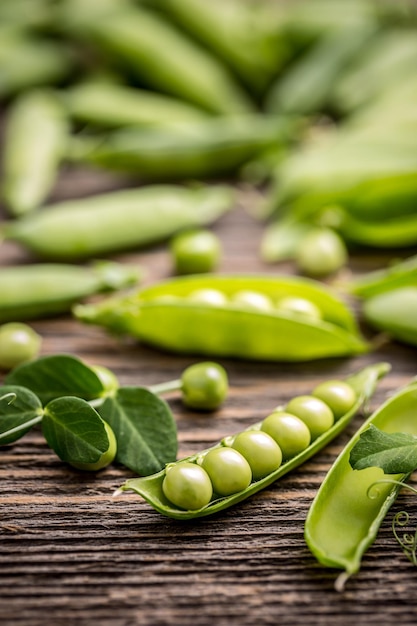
150,487
117,220
170,316
178,67
38,290
200,149
36,133
112,105
348,509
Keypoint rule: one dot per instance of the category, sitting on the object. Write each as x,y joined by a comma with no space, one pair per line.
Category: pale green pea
195,252
210,297
337,394
204,386
187,485
299,306
229,471
321,252
260,450
289,431
18,343
252,300
313,412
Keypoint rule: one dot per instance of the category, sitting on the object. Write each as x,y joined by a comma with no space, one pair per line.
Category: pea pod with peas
243,464
241,316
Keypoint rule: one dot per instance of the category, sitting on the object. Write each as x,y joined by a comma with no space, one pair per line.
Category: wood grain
71,553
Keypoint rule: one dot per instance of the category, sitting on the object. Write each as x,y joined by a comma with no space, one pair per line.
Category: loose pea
229,471
317,416
106,458
195,252
211,297
321,252
187,485
260,450
18,343
204,386
337,394
299,306
289,431
252,300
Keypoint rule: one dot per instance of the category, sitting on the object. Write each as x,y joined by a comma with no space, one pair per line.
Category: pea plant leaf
74,430
145,429
58,375
394,453
18,407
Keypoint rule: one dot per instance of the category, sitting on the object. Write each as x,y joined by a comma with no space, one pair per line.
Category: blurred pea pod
106,105
162,57
118,220
390,58
27,61
234,31
35,142
306,86
39,290
216,146
389,299
248,317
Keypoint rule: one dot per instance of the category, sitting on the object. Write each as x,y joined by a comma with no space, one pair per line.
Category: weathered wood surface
70,553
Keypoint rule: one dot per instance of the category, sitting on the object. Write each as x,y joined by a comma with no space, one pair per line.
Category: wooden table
70,553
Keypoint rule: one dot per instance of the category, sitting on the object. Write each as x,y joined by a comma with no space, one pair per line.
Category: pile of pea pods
309,103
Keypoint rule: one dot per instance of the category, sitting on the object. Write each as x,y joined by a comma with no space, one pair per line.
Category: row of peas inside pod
243,464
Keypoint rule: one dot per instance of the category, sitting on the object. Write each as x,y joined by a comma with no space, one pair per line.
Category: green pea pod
349,508
36,133
177,66
202,149
306,87
397,274
38,290
130,218
167,316
394,312
150,487
112,105
27,61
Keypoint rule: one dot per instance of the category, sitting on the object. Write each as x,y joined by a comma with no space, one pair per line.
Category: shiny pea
289,431
187,485
18,343
321,252
260,450
209,297
317,416
252,300
229,471
204,386
299,306
337,394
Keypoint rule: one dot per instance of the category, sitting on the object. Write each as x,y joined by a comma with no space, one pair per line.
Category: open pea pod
349,508
150,487
168,316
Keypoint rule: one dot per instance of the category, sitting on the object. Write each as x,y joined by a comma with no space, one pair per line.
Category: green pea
211,297
289,431
18,343
106,376
195,252
187,485
299,306
106,458
204,386
260,450
317,416
252,300
321,252
338,395
229,471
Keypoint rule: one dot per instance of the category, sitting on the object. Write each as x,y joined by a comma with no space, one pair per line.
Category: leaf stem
16,429
172,385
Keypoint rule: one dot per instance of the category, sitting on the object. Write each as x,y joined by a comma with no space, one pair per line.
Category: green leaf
74,430
145,429
55,376
394,453
16,411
